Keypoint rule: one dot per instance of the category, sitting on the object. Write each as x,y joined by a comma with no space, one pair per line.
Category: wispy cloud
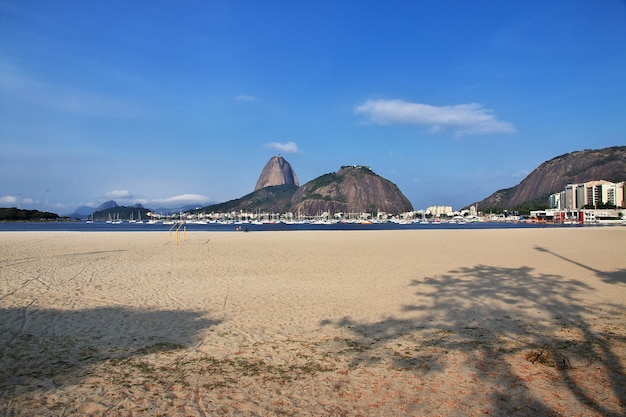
461,119
289,147
244,97
183,199
175,201
125,197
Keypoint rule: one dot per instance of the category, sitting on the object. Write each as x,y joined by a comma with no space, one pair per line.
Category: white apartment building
592,193
438,211
556,200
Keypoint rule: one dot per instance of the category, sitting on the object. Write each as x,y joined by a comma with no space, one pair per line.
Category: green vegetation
372,209
320,182
524,209
275,198
320,197
325,180
539,203
15,214
360,171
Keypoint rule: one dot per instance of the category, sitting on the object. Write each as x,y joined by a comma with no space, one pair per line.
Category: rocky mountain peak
352,189
277,171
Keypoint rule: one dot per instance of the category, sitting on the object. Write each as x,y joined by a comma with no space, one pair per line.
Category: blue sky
171,103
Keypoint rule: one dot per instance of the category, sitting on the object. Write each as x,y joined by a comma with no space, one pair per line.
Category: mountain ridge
352,189
553,175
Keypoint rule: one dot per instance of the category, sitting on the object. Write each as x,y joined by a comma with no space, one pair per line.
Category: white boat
132,218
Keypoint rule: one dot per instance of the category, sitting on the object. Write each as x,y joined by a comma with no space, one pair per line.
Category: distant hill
135,212
111,207
106,205
552,176
83,212
14,214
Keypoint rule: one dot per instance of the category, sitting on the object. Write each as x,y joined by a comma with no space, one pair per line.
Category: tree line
15,214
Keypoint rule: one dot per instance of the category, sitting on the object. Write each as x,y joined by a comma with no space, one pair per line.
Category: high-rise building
590,194
571,200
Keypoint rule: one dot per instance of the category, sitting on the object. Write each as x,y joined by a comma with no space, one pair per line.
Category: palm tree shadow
43,347
489,313
613,277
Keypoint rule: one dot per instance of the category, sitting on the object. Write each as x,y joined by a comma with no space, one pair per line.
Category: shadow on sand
491,314
45,348
612,277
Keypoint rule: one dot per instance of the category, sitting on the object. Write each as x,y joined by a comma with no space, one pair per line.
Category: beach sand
507,322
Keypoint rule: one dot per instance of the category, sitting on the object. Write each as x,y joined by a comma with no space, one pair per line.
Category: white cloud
120,194
244,98
289,147
13,201
8,200
461,119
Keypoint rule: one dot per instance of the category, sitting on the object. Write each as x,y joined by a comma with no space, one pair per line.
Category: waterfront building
570,199
438,211
555,200
591,193
586,203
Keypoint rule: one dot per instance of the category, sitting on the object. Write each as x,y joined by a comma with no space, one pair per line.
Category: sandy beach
508,322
